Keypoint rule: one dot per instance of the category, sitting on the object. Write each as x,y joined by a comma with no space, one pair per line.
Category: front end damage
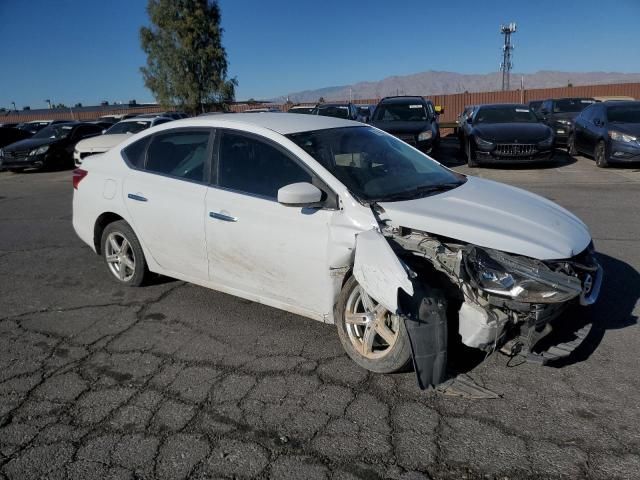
507,302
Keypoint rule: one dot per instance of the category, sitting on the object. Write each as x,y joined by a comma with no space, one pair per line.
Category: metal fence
453,104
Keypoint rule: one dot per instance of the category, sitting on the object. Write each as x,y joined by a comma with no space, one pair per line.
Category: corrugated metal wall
452,103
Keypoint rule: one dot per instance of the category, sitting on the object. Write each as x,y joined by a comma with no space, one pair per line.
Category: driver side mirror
301,194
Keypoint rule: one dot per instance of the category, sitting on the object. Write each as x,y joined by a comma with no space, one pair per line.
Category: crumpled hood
495,215
101,143
520,132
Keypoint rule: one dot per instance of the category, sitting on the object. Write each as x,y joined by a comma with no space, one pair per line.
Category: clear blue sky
88,50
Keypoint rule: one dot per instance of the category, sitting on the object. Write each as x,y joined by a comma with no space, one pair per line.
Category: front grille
515,149
16,154
407,138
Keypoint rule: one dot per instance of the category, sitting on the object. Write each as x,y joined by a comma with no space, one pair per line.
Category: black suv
559,114
412,119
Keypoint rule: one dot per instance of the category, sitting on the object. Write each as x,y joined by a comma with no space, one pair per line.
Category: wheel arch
101,223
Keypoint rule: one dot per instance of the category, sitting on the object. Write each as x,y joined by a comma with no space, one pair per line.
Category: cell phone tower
507,48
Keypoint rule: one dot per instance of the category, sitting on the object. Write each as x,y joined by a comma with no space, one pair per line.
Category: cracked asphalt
175,381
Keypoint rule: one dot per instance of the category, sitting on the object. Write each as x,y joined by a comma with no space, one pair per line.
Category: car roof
282,124
502,105
139,119
403,99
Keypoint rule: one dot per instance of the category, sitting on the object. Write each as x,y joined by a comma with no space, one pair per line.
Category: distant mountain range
434,83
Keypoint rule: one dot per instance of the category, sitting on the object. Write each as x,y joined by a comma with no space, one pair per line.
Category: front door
257,246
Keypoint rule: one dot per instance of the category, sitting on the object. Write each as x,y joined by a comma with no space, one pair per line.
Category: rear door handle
137,198
222,216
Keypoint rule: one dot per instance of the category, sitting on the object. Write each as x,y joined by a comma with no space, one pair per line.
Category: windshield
400,112
506,114
54,131
127,127
567,105
374,165
624,114
338,111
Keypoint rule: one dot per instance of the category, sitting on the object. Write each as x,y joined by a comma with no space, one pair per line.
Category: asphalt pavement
175,381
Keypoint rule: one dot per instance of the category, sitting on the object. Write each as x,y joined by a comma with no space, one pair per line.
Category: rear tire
123,255
472,162
16,170
600,155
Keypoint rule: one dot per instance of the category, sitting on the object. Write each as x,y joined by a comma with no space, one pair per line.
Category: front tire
374,338
472,162
600,155
123,255
571,145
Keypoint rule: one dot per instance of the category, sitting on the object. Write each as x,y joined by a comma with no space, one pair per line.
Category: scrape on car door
165,195
256,246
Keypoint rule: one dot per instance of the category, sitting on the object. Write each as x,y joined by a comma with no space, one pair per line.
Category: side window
431,111
160,121
134,153
587,114
252,166
181,154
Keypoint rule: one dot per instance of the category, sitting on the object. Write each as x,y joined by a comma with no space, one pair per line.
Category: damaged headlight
519,278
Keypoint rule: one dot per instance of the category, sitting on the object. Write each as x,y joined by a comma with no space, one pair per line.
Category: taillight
78,175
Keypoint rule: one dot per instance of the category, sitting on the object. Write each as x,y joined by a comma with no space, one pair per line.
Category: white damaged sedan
339,222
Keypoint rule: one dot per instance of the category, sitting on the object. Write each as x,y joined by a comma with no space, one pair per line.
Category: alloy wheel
120,256
372,329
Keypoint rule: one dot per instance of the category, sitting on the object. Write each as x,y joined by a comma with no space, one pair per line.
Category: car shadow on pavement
614,310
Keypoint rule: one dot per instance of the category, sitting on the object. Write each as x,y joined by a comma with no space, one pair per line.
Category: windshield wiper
418,192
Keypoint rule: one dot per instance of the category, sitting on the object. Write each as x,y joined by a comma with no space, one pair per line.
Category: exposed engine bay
506,300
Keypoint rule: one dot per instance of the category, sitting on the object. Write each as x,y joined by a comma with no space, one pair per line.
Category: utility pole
506,64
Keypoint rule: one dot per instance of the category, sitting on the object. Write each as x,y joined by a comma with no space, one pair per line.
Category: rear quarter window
134,154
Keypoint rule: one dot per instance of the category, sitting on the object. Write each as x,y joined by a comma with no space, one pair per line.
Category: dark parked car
348,111
412,119
8,125
559,113
505,133
50,147
365,112
609,132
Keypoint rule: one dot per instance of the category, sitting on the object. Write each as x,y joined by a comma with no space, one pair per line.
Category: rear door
165,194
257,246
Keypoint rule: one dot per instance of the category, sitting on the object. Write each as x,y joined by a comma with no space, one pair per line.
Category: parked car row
61,143
412,119
606,129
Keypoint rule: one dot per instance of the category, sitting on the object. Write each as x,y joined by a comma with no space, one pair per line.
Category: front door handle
222,216
138,198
